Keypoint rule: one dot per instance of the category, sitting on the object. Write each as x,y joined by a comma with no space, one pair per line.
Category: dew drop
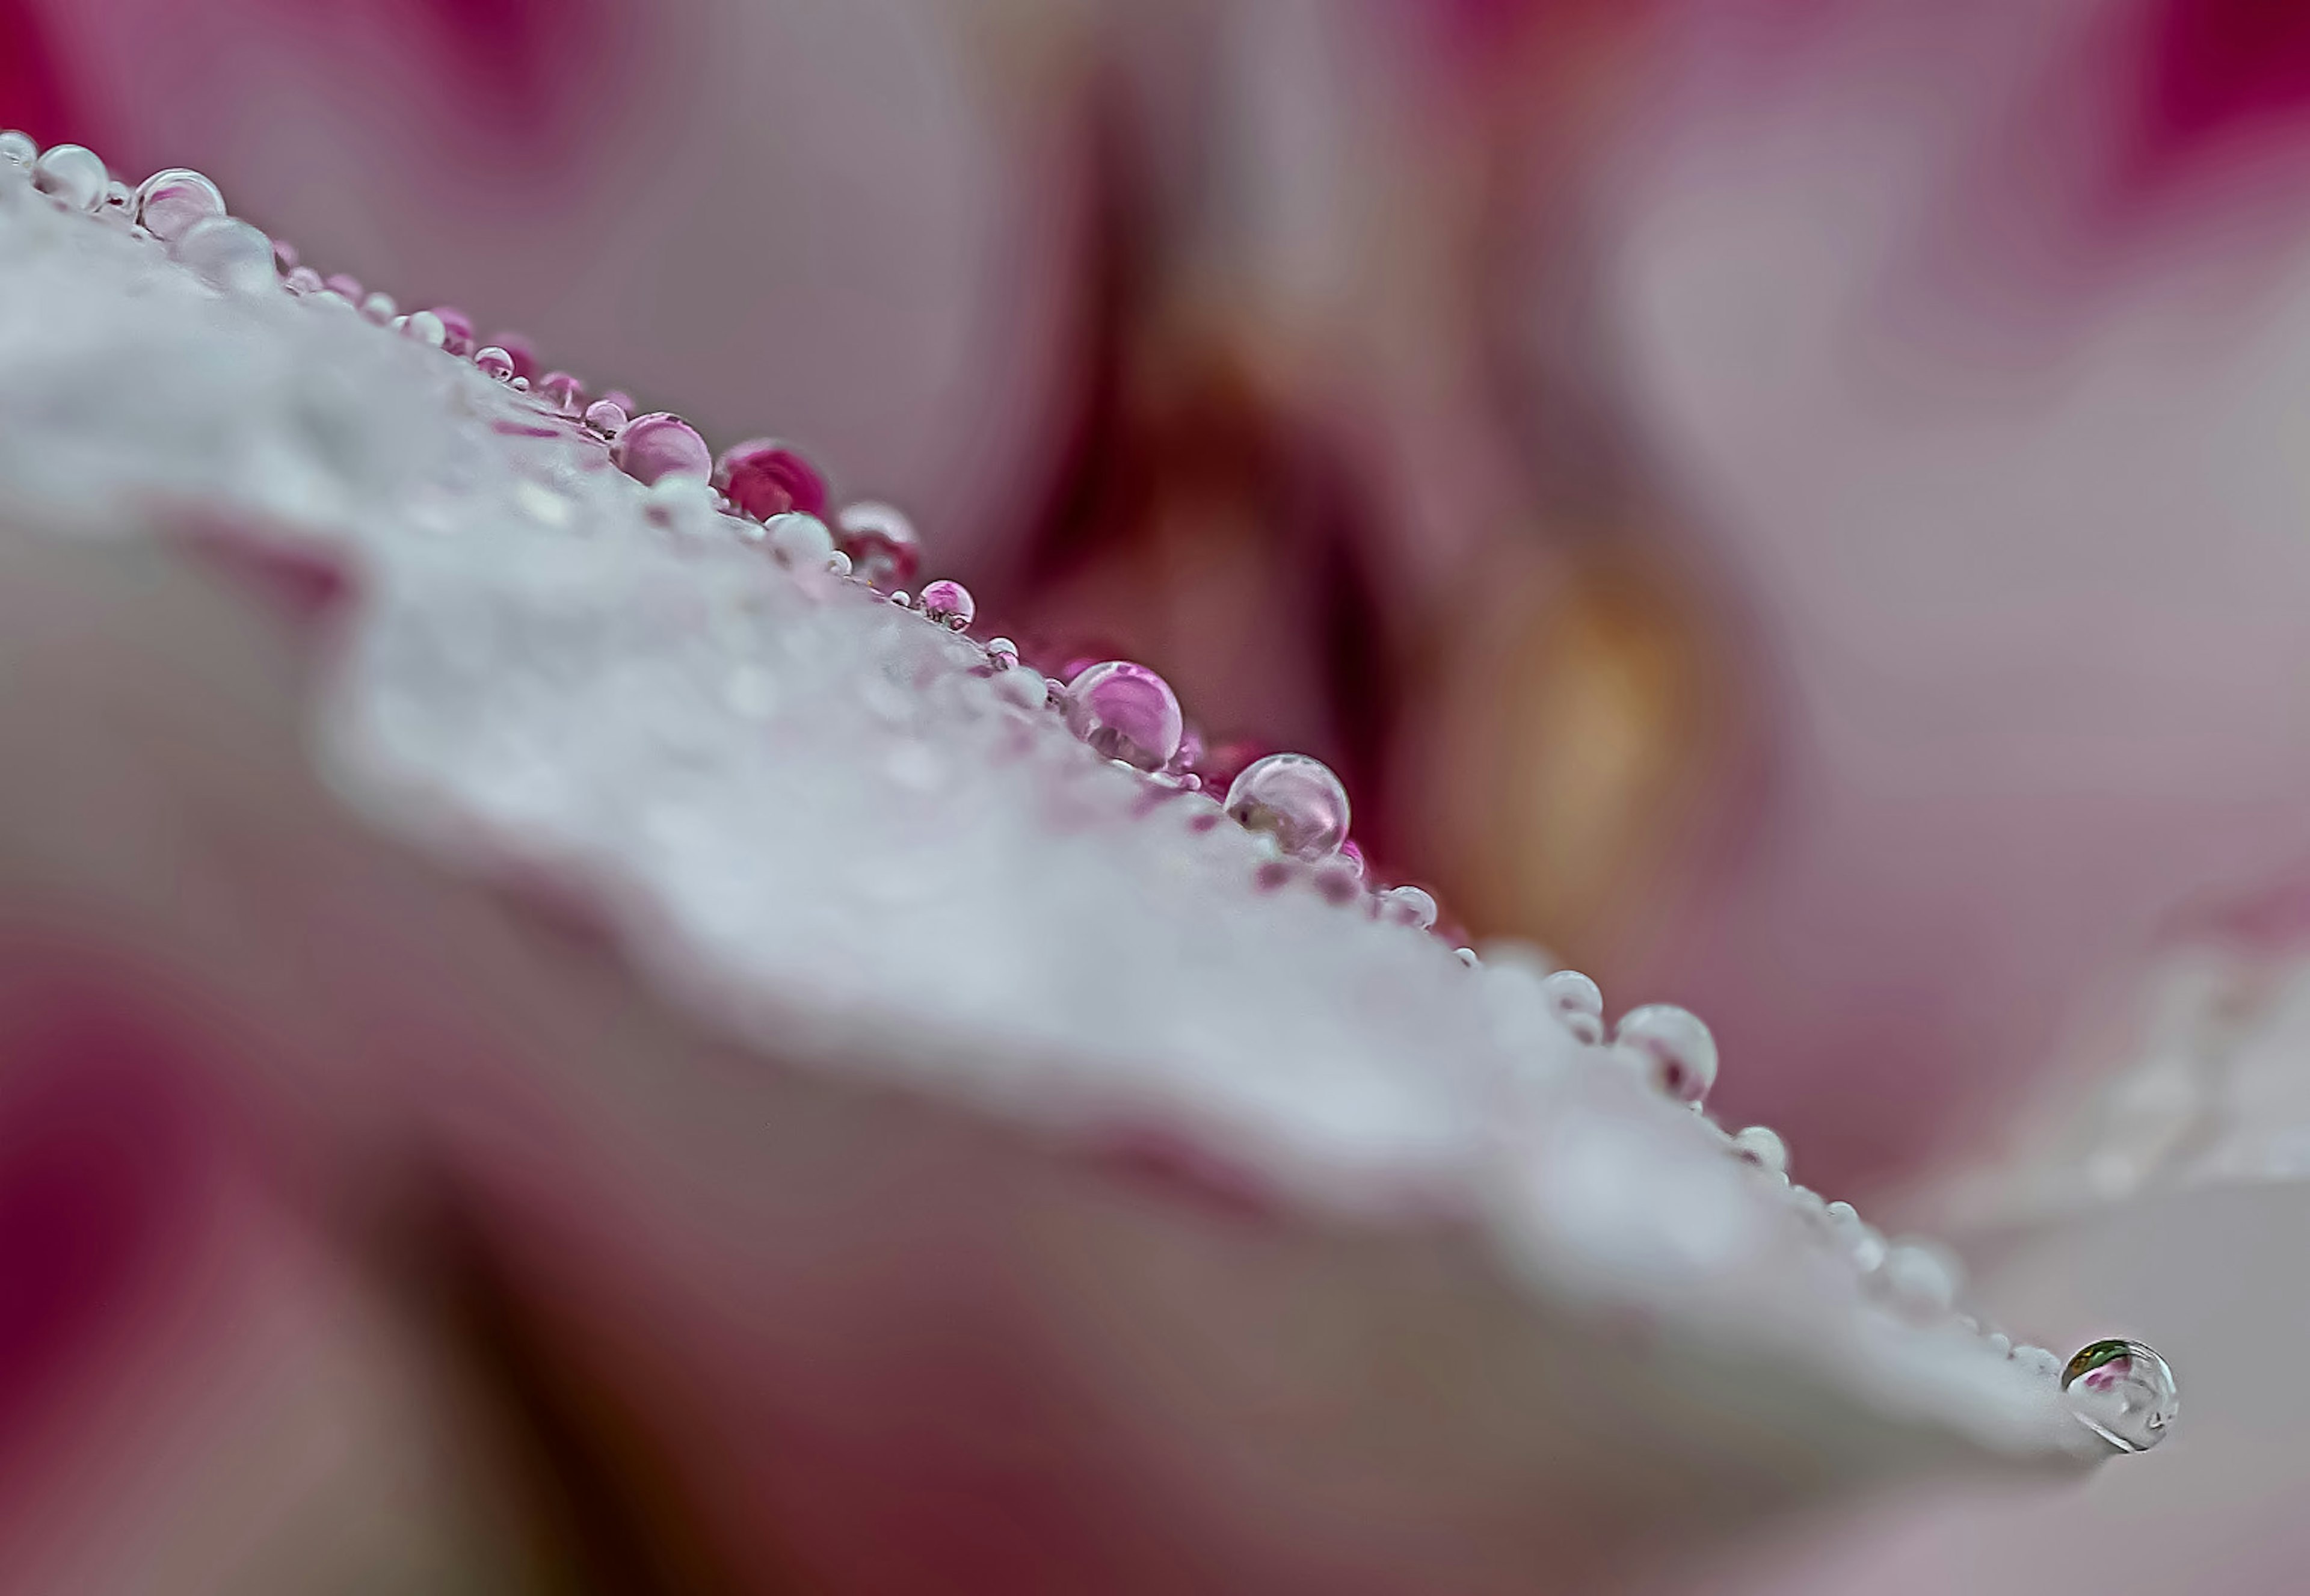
227,253
119,201
564,393
1671,1047
494,362
18,149
425,327
661,444
1573,997
764,477
605,416
72,175
1406,905
799,540
1003,653
302,280
347,284
2123,1392
1294,799
520,351
1919,1278
380,308
839,562
949,604
456,329
1127,712
1762,1146
881,542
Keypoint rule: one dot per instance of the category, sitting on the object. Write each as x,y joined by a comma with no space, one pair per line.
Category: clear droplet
1127,712
764,477
881,542
302,280
838,563
1762,1146
1467,955
19,149
1578,1001
494,362
1404,906
1003,653
425,327
661,444
2123,1392
799,540
1671,1047
170,202
227,253
949,604
1294,799
72,175
605,416
563,392
119,201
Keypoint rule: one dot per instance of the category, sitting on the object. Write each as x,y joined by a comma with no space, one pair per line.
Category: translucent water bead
1762,1146
606,417
799,540
659,445
764,478
562,393
1125,711
228,254
18,149
1294,799
881,543
494,362
1578,1002
1671,1047
949,604
1406,905
72,175
169,201
2123,1392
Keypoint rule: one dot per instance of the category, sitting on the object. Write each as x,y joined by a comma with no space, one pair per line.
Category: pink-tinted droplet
520,351
606,417
662,444
1670,1047
169,202
303,279
1294,799
494,362
949,604
881,542
1406,905
1127,712
563,392
456,330
765,478
347,284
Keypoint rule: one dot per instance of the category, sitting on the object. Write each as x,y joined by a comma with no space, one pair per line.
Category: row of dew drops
2122,1391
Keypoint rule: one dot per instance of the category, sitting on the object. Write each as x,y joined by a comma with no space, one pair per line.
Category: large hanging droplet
1294,799
659,445
881,542
2123,1392
1670,1047
72,175
764,478
1127,712
227,253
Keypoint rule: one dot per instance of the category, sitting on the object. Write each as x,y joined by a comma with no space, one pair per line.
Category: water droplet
900,598
1125,711
72,175
302,280
1405,906
765,478
799,540
1671,1047
838,563
494,362
380,308
227,253
456,329
1294,799
2000,1343
347,284
18,149
119,201
2123,1392
1578,1001
1762,1146
881,543
1467,955
425,327
661,444
1003,653
563,392
1919,1276
520,351
949,604
606,418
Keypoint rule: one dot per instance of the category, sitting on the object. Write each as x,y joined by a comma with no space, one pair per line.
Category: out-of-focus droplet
1467,955
563,392
1762,1146
347,284
72,175
2123,1392
1003,653
1919,1278
380,308
1127,712
1576,1001
1672,1049
799,540
19,149
456,329
662,444
881,542
1405,906
838,563
764,477
425,327
1294,799
607,418
494,362
302,280
949,604
227,253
